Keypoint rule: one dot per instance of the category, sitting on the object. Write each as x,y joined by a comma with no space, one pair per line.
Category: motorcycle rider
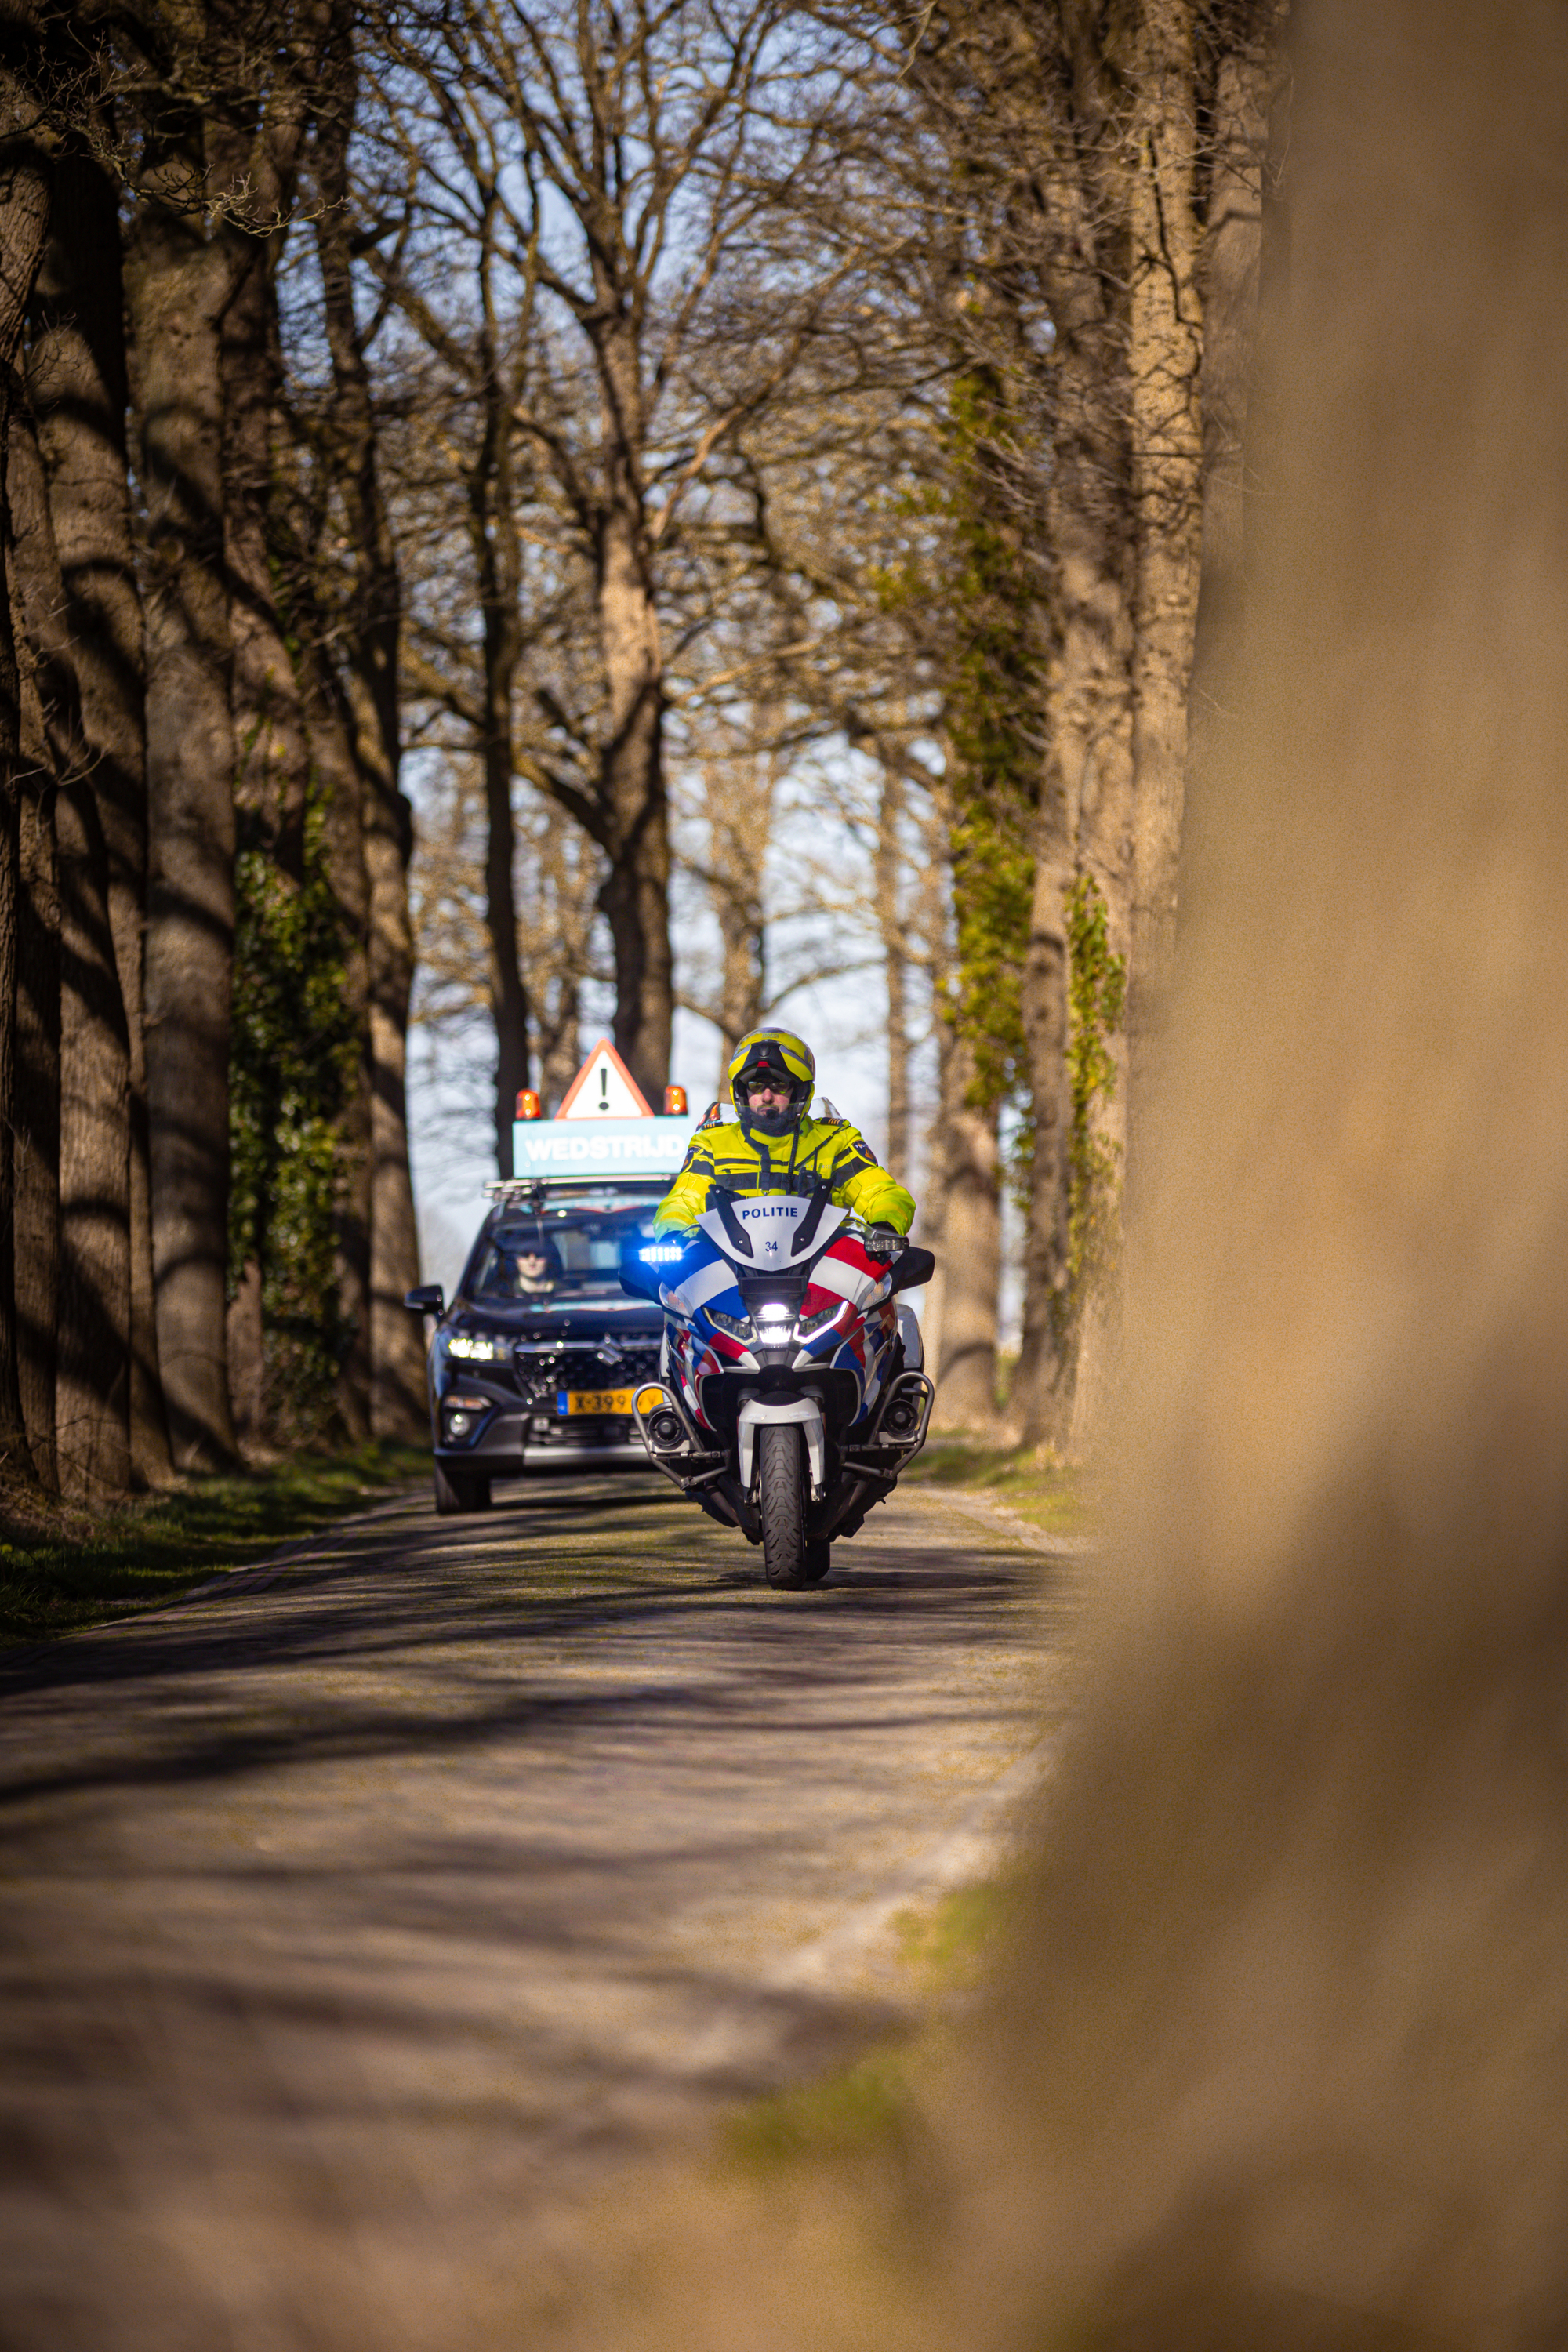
773,1142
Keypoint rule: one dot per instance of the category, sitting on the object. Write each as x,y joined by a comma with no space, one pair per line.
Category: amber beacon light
675,1102
528,1104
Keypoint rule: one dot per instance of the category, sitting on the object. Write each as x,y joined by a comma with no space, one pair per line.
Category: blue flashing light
662,1254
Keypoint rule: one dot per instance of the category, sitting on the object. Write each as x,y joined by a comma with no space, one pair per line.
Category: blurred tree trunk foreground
1280,2013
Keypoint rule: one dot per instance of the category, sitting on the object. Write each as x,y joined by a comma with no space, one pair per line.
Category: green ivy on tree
995,721
292,1068
1097,997
996,692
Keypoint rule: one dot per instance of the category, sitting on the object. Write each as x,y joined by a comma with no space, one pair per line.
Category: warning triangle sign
604,1089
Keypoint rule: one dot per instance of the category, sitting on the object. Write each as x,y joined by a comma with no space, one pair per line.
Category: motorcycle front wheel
780,1502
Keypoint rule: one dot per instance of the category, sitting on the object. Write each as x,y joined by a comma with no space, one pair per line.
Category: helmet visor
781,1054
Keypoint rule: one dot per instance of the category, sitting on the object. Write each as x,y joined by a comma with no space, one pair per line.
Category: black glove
883,1241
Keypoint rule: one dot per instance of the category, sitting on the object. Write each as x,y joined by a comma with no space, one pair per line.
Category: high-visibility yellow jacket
823,1148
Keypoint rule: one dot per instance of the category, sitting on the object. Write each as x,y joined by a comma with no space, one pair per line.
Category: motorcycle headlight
824,1316
738,1326
472,1349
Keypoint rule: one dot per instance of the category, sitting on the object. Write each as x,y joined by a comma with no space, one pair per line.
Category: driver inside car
538,1271
774,1145
523,1269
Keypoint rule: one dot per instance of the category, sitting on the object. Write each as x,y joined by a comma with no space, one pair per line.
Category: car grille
541,1378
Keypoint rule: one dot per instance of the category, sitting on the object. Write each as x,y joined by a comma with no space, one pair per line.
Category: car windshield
556,1257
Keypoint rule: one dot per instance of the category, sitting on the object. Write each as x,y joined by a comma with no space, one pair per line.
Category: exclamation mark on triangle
604,1085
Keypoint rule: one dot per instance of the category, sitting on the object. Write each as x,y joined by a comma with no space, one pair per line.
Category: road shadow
447,1645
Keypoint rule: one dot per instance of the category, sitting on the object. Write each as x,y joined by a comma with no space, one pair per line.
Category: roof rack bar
526,1188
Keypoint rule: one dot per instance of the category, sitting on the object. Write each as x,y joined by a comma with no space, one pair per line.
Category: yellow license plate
596,1401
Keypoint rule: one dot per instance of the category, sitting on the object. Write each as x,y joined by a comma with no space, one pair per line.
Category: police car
535,1363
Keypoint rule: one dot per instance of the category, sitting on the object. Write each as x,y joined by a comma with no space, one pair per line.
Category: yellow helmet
782,1054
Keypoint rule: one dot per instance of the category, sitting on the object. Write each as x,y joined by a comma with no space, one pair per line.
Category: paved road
356,1919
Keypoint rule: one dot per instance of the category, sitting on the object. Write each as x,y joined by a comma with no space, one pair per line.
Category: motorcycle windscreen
707,1279
767,1231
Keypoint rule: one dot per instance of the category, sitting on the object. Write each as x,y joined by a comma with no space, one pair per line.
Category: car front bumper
507,1448
573,1458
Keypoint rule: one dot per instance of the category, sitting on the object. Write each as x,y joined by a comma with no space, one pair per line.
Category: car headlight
473,1350
824,1315
738,1326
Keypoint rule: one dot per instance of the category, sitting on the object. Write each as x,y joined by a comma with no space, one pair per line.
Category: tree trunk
343,812
634,898
1086,799
23,226
930,1220
1165,348
972,1241
92,1392
35,1128
245,1337
744,981
77,377
272,762
510,1006
51,746
1232,257
636,893
1163,458
74,1195
15,1456
931,914
887,865
1042,1383
560,1046
1097,1372
176,281
559,909
497,561
739,797
397,1350
255,164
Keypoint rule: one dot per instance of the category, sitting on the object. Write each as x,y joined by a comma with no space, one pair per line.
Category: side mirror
428,1299
912,1268
645,1264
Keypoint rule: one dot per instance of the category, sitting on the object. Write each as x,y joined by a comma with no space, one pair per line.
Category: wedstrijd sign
599,1147
603,1128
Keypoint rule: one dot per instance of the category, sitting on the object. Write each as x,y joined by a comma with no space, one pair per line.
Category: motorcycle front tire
459,1493
781,1503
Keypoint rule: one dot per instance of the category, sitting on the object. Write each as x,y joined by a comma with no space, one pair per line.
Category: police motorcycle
792,1389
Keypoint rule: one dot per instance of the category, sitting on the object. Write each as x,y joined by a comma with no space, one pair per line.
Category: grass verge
62,1569
872,2109
866,2109
1052,1496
